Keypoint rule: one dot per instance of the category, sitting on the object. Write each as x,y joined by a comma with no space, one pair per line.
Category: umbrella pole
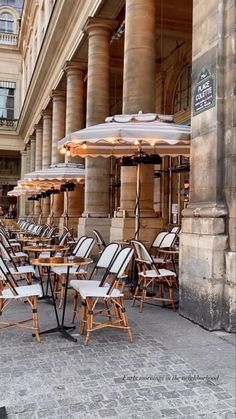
40,212
51,212
137,206
66,209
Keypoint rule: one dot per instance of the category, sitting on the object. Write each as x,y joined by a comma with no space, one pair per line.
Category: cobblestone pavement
173,369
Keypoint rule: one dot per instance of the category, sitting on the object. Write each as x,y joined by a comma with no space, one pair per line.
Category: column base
202,271
124,228
87,225
229,302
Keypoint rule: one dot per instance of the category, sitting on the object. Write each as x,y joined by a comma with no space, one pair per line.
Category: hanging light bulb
84,146
68,152
62,150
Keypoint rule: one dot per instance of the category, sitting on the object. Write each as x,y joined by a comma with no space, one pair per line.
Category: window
182,95
7,96
6,23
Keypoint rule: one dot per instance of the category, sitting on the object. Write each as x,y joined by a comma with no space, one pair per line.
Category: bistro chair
150,276
102,265
84,251
11,243
93,292
18,271
167,242
14,255
10,291
100,242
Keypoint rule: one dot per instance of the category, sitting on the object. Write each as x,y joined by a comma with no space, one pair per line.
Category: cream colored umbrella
61,175
24,190
139,136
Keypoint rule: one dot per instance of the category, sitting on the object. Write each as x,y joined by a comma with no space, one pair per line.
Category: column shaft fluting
74,97
58,132
98,107
58,124
47,138
22,209
139,93
75,116
32,154
46,152
38,160
39,143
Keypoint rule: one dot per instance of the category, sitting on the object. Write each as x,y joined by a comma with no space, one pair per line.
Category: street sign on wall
204,92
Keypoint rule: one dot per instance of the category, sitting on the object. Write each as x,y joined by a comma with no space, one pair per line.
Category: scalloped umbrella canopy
127,135
124,135
54,176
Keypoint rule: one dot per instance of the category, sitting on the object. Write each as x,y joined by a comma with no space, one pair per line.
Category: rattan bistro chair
84,251
106,291
100,242
150,276
10,291
101,267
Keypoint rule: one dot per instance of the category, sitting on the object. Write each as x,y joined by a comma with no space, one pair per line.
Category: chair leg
29,278
83,317
162,293
75,306
137,290
89,304
63,285
107,308
143,296
172,296
125,319
35,317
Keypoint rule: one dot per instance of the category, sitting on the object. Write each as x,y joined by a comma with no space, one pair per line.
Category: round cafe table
37,249
51,248
61,261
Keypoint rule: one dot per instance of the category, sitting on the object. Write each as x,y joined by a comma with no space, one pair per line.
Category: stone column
22,209
98,107
46,153
39,143
138,94
28,157
75,115
28,154
58,132
207,260
38,160
32,153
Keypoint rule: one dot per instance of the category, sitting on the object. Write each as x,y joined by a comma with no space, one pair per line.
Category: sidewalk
173,369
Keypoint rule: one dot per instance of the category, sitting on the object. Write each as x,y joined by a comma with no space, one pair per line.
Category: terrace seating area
37,264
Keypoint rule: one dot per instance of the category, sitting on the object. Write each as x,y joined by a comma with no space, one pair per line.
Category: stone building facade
76,62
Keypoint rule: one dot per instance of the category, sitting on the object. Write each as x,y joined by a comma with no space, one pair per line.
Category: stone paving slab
173,369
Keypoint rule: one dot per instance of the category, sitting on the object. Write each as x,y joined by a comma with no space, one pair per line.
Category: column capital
75,66
32,139
58,94
46,113
38,127
23,153
96,25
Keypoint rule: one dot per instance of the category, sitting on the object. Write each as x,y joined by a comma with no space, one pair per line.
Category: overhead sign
204,92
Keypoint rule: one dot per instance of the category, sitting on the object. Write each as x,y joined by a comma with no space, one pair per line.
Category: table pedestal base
62,330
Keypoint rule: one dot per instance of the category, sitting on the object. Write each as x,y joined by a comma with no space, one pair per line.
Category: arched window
6,23
182,93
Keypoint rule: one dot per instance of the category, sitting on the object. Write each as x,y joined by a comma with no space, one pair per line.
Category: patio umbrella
61,175
137,135
25,190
